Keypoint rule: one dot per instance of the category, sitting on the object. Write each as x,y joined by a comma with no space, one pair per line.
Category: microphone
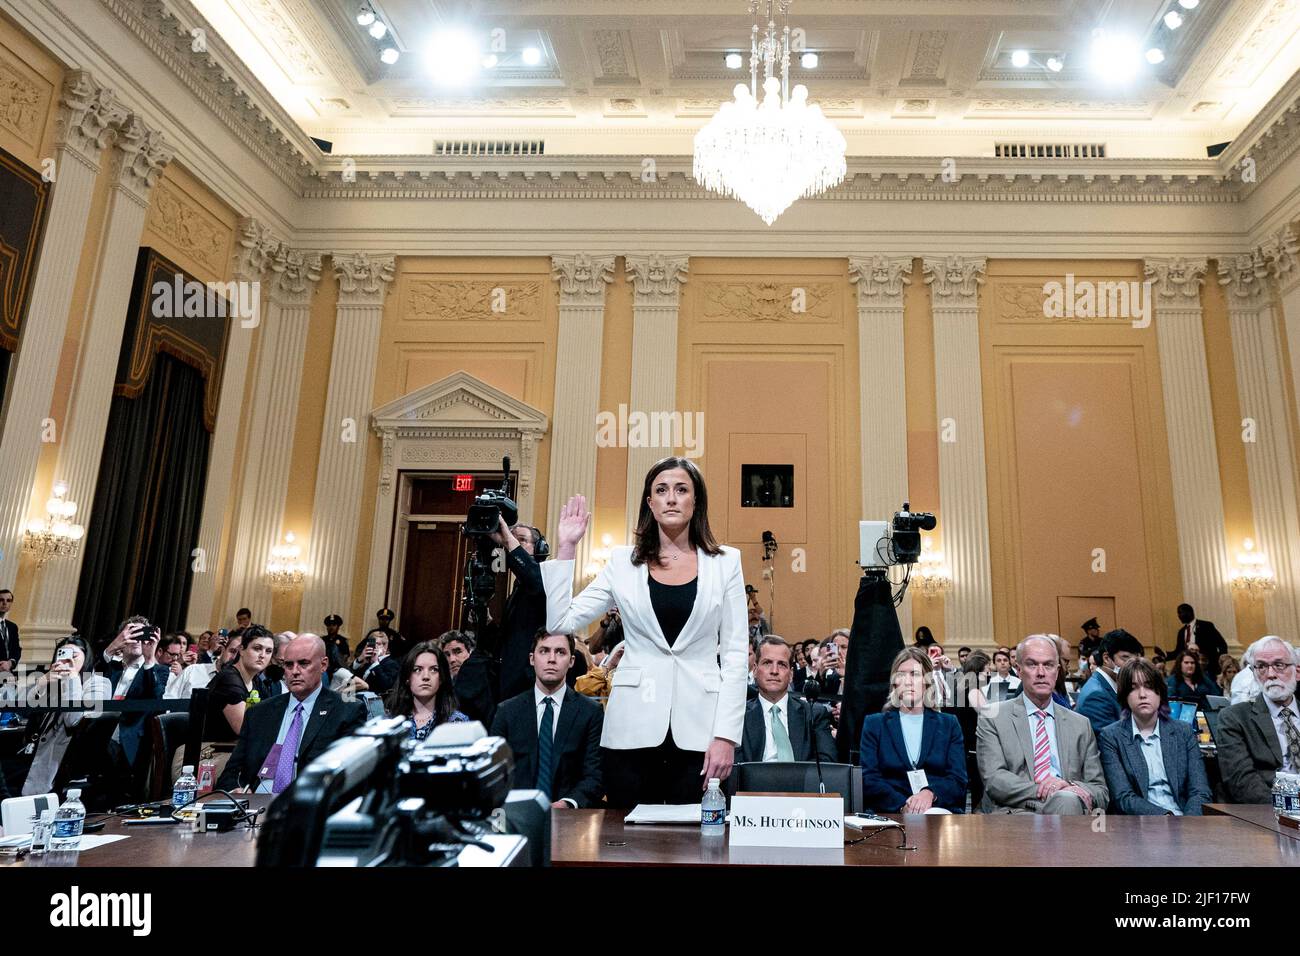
811,691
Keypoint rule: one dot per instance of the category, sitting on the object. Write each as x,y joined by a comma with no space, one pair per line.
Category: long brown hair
646,550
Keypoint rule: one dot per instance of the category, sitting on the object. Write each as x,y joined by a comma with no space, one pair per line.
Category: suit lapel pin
322,713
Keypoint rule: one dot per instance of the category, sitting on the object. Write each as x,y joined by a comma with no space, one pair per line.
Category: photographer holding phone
133,674
69,681
677,699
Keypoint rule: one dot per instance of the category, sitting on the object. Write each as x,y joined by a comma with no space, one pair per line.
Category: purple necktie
288,752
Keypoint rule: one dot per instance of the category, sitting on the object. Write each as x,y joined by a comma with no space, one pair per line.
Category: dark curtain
148,504
5,357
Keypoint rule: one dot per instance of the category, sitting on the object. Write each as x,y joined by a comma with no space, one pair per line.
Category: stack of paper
664,813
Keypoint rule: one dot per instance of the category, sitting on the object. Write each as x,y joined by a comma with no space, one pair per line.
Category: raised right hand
574,519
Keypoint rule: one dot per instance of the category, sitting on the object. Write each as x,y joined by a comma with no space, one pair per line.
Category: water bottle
68,823
1291,793
1279,793
185,790
713,811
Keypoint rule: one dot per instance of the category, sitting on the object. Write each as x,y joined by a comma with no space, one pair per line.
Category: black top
227,687
672,604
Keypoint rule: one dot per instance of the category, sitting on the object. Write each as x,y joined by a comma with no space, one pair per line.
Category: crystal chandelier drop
284,569
55,536
768,154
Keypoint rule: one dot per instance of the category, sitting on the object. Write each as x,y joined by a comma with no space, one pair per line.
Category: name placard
798,820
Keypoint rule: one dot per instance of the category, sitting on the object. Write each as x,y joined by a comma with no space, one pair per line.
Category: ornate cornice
955,280
88,115
582,278
363,278
657,278
880,279
1177,281
140,155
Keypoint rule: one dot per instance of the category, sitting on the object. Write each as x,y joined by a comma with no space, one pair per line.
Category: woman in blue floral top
423,691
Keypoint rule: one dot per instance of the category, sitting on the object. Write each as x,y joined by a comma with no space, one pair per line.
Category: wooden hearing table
1257,814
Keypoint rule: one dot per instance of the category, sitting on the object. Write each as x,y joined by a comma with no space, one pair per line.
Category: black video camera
491,506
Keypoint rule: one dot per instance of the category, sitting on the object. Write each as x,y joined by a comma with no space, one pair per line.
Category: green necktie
780,737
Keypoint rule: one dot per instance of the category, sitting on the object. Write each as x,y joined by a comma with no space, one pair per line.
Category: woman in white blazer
677,700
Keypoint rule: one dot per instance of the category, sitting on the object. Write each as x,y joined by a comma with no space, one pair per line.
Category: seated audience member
962,654
779,726
913,756
1036,756
1229,668
751,682
923,637
375,665
273,677
69,681
1189,681
799,672
423,691
343,681
207,648
1153,764
232,687
971,683
595,683
943,672
830,670
134,675
1258,738
475,674
182,686
1244,687
1002,684
1099,697
553,730
457,645
1158,657
171,654
301,724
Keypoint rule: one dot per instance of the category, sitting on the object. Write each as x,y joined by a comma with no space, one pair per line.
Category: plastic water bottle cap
715,782
74,794
187,769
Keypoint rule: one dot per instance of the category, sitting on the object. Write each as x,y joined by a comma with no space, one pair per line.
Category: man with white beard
1258,738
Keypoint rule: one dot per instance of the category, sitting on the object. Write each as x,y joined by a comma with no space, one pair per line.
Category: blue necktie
545,740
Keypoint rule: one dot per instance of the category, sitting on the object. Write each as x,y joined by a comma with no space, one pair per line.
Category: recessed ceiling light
390,55
1155,55
1173,19
532,56
378,29
1054,63
1020,58
734,61
1189,4
490,61
809,61
365,16
453,57
1115,57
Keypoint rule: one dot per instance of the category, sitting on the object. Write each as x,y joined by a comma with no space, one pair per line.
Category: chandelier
54,536
1252,576
932,577
768,154
284,569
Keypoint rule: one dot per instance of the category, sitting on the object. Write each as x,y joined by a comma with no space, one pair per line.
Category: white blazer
655,686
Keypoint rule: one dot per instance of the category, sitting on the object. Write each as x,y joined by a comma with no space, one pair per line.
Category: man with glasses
1258,738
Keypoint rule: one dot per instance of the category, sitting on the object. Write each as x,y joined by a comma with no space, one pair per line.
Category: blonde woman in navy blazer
677,699
941,754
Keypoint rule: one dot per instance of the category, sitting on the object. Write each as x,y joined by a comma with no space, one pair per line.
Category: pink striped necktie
1042,750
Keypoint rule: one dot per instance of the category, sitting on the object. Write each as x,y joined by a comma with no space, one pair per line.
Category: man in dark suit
526,606
287,732
1099,698
129,665
1204,635
554,731
779,726
1258,738
11,650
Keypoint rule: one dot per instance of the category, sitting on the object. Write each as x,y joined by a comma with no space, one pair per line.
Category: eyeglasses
1263,667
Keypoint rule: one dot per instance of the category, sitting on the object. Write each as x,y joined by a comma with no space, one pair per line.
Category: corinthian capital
657,276
363,278
880,279
254,248
955,279
582,277
1177,281
139,157
88,114
1245,277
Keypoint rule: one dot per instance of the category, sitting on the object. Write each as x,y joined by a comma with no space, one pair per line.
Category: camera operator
525,608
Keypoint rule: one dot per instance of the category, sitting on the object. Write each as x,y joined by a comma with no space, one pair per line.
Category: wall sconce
54,536
1253,577
284,569
931,577
599,557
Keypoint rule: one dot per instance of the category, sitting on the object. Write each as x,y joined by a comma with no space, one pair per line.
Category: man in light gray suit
1034,755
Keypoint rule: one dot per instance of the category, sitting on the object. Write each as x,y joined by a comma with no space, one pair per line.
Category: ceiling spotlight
1189,4
490,61
1173,19
1155,55
809,61
1114,57
1020,58
378,29
365,16
390,55
1054,63
734,61
532,55
453,57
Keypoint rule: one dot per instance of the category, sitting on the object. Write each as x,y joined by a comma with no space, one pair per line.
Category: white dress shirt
1159,790
1279,727
181,686
765,705
557,699
1032,711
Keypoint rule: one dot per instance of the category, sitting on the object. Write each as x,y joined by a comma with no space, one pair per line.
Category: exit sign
464,483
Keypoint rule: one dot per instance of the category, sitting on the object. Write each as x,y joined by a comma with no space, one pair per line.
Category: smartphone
66,653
